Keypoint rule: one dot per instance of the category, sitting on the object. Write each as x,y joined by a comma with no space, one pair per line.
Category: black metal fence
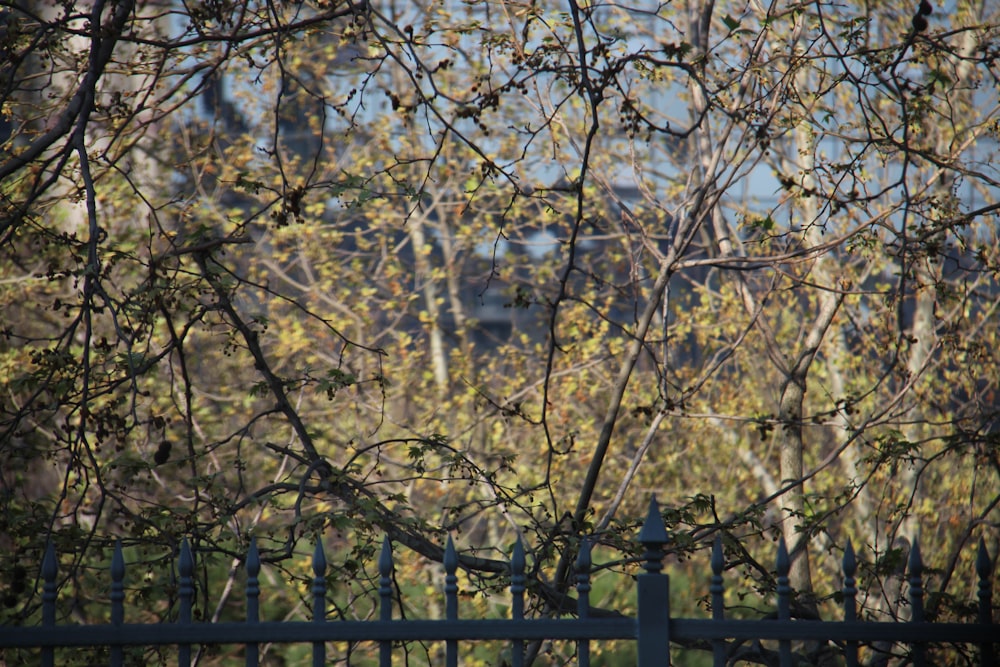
652,629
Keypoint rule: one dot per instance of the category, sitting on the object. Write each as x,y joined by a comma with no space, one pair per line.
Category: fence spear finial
653,536
653,529
50,570
984,568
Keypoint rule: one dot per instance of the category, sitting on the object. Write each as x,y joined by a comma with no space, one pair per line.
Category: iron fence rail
681,629
653,629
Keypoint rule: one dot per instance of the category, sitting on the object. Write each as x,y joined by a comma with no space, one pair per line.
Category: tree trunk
425,274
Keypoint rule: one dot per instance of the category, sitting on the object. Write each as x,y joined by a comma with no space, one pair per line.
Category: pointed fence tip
385,557
984,564
850,560
583,559
450,559
185,563
654,531
319,558
718,560
252,562
784,564
50,563
517,560
916,561
117,562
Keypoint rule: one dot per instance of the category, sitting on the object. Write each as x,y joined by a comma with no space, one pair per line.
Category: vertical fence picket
185,569
916,571
517,587
50,570
717,590
984,568
385,599
583,563
253,599
319,599
654,593
850,565
451,599
117,600
784,566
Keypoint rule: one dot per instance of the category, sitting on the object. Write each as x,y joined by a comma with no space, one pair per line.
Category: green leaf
763,224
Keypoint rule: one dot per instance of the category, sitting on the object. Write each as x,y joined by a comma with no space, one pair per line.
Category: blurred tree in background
496,269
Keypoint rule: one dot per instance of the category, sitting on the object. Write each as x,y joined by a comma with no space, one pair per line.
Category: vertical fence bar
50,570
319,599
185,568
717,590
850,602
117,600
984,568
517,585
583,563
253,599
451,599
784,566
916,571
654,593
385,599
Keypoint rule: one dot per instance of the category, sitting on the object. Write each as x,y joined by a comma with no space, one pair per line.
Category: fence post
717,590
654,593
451,598
916,571
117,599
50,570
784,591
583,565
319,599
517,587
385,599
253,598
185,570
984,568
850,602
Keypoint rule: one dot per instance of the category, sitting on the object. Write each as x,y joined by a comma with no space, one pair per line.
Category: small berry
162,454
